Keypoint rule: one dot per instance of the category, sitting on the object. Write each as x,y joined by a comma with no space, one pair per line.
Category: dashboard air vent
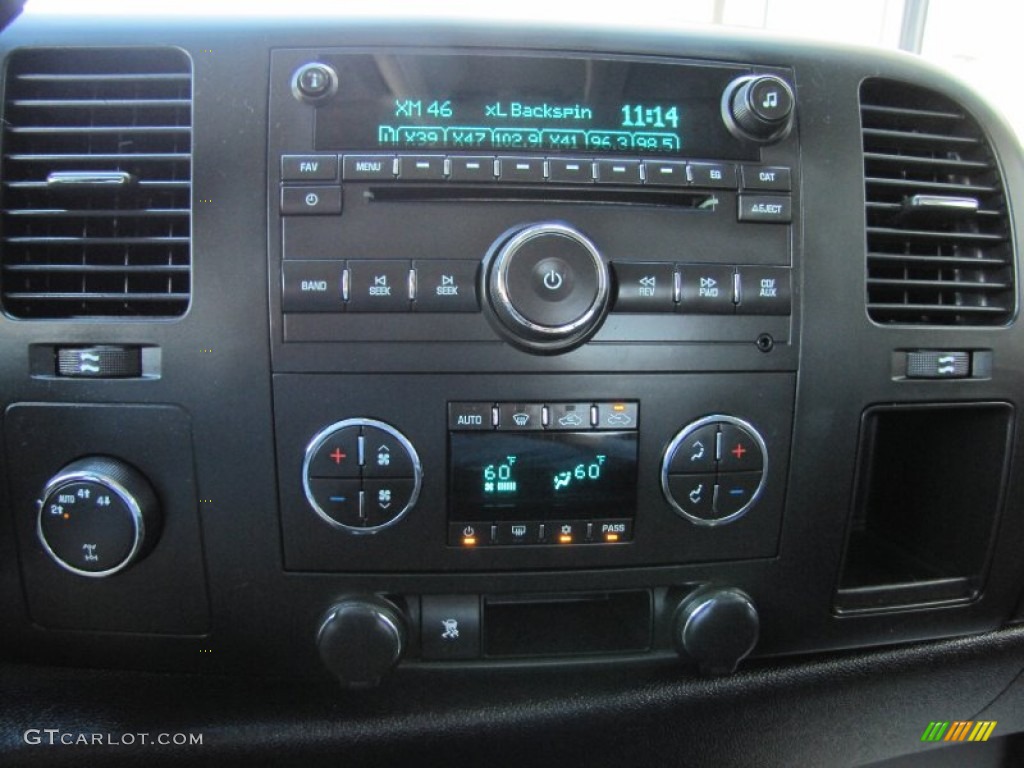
938,242
96,206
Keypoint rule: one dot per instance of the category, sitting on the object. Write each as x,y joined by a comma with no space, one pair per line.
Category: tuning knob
361,640
717,627
547,286
759,107
97,516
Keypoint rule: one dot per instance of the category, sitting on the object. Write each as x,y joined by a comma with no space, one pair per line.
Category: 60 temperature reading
498,477
580,473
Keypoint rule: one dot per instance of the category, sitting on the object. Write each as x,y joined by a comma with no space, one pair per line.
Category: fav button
312,167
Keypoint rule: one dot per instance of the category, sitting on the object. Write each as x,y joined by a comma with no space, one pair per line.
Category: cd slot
461,193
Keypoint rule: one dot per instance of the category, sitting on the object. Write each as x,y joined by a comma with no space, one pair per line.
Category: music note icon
771,100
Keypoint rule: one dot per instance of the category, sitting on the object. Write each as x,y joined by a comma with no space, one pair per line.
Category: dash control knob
97,516
547,287
717,627
361,475
759,107
361,639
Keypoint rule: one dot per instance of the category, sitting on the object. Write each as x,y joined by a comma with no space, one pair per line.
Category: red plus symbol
738,451
338,455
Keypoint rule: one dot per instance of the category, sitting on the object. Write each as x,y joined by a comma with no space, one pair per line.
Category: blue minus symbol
339,499
736,492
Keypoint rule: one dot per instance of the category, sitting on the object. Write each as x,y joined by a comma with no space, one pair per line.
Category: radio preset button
518,169
446,286
311,286
566,170
519,416
665,173
618,171
696,453
378,286
715,175
471,168
421,167
644,287
368,167
310,201
311,167
706,290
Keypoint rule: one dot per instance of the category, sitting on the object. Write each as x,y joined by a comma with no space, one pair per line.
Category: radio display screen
536,476
477,103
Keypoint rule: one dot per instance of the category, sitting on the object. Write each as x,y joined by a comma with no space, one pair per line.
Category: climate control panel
361,475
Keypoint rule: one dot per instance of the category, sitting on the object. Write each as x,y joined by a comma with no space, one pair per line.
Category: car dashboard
390,390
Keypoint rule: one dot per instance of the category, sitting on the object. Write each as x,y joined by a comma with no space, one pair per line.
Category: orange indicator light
469,541
611,537
565,539
618,407
67,516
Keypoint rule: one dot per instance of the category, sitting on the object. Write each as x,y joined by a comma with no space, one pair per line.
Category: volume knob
547,286
361,640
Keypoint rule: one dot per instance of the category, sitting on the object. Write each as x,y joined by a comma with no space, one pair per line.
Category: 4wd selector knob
547,286
97,516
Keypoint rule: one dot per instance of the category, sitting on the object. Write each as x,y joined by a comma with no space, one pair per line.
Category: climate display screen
474,103
533,476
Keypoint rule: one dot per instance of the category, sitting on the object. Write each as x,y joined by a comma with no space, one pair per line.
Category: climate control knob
547,286
759,107
97,516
